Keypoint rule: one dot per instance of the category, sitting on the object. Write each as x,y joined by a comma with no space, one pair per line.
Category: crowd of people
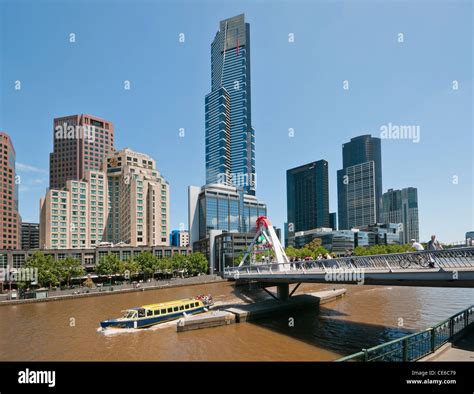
325,256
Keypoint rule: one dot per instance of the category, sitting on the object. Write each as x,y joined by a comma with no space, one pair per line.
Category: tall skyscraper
227,203
9,211
359,182
360,195
307,193
401,206
230,138
81,143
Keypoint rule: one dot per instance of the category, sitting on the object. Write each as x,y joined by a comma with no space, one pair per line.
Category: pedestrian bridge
443,268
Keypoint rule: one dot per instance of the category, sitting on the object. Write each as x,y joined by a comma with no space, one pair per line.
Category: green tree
48,269
361,251
165,266
319,251
237,259
291,252
197,263
399,248
378,249
382,249
109,265
69,268
179,263
147,263
130,268
304,252
314,244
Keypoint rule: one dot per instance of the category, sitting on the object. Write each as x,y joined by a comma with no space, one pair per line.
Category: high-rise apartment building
81,143
401,206
9,212
126,202
307,193
230,138
138,200
75,216
359,182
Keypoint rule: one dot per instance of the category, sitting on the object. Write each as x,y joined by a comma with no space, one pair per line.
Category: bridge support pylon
283,291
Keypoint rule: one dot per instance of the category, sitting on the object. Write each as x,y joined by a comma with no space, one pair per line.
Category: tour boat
149,315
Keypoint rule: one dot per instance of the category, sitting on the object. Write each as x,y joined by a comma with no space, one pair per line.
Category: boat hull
145,322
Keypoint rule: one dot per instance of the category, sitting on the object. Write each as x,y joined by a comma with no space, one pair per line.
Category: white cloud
20,167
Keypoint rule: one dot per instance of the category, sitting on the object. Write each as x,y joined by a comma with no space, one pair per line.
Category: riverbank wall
110,290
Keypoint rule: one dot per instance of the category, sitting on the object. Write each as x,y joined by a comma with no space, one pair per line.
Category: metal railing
447,260
416,346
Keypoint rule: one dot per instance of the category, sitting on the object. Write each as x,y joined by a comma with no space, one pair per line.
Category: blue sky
295,85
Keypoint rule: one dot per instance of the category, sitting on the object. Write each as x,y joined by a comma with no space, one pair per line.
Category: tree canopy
53,272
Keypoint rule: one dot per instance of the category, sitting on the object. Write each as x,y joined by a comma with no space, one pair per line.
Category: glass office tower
230,138
356,156
401,206
307,193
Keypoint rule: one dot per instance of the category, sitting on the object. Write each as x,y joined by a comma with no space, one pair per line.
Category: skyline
270,170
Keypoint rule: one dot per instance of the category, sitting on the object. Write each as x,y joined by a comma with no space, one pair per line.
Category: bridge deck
449,268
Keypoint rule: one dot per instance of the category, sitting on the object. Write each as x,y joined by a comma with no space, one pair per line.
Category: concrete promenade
110,290
461,350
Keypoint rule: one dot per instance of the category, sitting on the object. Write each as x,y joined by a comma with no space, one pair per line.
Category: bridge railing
416,346
449,259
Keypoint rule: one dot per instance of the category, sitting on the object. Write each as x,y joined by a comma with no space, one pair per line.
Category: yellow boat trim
172,304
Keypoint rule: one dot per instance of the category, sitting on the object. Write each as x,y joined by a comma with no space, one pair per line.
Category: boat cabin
162,309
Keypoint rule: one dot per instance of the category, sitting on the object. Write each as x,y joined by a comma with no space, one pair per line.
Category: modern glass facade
218,168
366,238
385,234
29,236
333,220
357,156
307,190
401,206
230,138
360,195
179,238
227,210
470,238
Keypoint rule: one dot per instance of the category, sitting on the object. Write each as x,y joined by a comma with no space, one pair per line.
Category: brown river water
365,317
